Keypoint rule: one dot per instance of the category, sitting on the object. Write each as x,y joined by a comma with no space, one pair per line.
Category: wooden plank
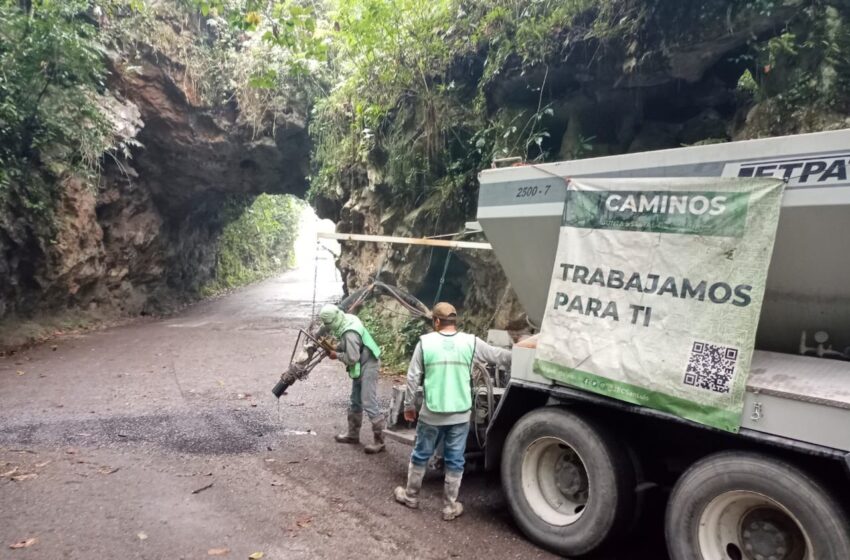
406,436
406,240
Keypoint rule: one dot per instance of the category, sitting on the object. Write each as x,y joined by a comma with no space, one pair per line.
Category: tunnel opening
257,240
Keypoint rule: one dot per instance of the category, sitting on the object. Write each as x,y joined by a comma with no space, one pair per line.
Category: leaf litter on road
202,488
208,473
24,544
218,552
9,473
22,477
256,556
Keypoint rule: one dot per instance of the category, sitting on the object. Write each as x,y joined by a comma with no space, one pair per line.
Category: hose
479,372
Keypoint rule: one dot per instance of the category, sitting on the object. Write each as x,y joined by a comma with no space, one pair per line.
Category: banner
657,289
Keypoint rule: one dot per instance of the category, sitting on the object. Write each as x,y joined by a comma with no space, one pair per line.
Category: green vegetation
56,111
421,94
267,56
395,332
807,64
402,86
414,84
257,244
51,81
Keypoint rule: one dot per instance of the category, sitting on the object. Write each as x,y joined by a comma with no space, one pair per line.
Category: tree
51,66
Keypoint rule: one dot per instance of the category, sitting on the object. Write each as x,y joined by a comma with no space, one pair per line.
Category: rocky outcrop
145,237
471,279
663,88
194,161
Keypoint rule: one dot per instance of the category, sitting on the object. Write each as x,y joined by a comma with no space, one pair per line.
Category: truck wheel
746,506
569,484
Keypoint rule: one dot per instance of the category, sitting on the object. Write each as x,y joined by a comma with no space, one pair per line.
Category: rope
315,281
443,277
456,234
501,304
377,275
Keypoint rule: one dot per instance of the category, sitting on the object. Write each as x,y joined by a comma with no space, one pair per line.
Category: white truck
575,466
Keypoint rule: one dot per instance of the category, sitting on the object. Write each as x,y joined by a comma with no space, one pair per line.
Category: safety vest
447,361
353,323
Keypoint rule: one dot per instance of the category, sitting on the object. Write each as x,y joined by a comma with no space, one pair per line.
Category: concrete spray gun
311,346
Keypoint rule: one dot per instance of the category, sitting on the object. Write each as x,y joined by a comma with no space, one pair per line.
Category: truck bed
801,398
801,378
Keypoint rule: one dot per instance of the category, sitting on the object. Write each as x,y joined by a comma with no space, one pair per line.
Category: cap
444,310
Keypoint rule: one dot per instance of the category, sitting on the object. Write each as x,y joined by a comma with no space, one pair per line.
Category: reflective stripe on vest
447,361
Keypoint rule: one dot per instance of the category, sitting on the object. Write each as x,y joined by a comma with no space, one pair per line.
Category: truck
578,468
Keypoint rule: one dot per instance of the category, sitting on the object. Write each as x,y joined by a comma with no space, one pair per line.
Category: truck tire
743,506
570,485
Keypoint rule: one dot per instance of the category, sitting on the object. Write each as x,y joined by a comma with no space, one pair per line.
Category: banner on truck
657,289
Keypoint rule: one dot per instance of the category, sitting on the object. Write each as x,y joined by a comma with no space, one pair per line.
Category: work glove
410,414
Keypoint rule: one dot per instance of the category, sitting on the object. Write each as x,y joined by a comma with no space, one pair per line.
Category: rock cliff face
653,94
471,279
145,237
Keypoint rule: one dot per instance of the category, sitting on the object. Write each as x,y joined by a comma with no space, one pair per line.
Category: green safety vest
353,323
447,361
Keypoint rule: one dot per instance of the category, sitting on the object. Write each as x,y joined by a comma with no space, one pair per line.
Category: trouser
364,394
454,445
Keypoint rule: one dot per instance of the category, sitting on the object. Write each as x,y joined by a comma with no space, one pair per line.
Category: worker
361,356
442,364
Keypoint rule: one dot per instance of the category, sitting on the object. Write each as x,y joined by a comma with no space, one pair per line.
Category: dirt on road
161,440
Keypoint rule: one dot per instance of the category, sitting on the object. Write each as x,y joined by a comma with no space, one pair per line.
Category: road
120,426
160,439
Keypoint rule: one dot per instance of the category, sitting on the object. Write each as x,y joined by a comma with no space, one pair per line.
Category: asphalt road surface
161,440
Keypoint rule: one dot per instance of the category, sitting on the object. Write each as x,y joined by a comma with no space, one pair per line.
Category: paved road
121,426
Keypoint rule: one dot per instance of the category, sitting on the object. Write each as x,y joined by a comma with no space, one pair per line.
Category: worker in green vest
442,365
361,356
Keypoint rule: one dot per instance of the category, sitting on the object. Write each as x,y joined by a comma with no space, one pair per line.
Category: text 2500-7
534,190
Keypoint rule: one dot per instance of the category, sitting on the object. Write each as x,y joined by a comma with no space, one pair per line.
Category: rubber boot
409,495
355,420
451,487
378,433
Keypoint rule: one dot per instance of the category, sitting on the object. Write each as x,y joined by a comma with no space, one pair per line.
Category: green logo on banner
722,214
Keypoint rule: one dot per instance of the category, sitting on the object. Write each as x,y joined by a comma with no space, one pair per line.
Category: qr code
711,366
